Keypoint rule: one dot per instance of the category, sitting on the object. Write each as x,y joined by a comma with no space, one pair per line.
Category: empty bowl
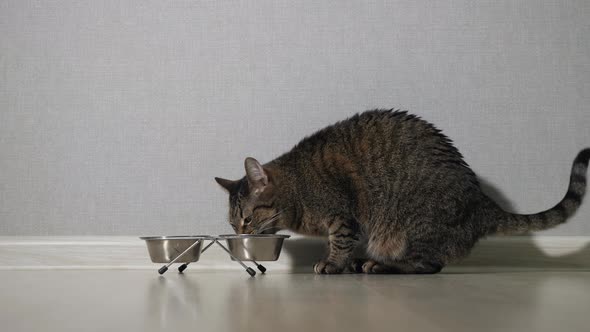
164,249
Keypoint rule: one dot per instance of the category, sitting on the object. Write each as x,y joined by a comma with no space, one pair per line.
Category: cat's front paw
368,266
327,267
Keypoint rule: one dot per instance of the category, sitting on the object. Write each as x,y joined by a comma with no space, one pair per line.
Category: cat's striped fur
386,180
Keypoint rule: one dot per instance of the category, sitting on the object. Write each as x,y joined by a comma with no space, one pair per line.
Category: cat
387,181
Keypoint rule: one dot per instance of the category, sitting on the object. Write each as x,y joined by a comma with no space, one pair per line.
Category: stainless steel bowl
259,247
164,249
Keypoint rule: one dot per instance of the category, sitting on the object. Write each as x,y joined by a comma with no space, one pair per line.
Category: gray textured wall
116,115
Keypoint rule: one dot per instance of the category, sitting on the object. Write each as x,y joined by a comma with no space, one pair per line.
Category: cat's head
253,207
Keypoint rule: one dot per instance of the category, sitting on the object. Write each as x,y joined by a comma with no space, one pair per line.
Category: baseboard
299,254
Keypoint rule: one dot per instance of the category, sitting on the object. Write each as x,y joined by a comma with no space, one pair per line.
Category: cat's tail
510,223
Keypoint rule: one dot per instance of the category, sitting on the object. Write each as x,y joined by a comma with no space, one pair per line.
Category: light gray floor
140,300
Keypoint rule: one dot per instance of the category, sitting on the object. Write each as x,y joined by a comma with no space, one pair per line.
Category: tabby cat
387,181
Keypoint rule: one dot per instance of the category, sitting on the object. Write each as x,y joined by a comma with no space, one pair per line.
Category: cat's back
379,158
377,137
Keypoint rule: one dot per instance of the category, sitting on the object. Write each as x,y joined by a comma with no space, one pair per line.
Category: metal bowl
163,249
259,247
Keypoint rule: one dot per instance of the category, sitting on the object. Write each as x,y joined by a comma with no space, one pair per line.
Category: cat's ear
228,185
257,177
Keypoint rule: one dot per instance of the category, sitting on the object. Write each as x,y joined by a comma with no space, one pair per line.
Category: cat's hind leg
373,267
396,255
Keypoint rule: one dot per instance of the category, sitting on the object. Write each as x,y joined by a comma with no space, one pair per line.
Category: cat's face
252,203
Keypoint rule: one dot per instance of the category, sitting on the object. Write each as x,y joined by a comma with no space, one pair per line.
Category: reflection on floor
140,300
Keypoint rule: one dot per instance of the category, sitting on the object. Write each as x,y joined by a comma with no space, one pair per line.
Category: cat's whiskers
267,222
268,228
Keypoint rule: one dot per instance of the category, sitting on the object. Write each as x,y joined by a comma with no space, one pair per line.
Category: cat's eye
248,220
